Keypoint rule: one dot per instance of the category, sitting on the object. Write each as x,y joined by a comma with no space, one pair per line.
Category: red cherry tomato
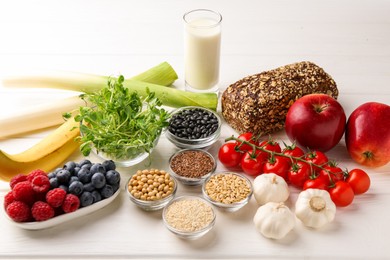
278,165
252,163
318,158
359,181
246,137
229,155
341,194
294,151
299,172
332,174
317,183
271,145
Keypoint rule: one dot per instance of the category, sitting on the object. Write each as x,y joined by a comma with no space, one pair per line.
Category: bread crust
259,103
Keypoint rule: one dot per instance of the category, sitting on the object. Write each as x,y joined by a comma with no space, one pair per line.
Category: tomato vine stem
292,158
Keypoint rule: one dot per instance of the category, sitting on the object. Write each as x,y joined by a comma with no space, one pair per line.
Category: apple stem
319,108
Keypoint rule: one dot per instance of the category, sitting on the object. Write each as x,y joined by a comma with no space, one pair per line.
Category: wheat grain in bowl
228,190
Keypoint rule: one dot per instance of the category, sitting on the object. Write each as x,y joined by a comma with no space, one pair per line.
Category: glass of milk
202,50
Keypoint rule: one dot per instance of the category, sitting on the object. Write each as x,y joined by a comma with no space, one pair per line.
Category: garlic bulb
315,208
270,187
274,220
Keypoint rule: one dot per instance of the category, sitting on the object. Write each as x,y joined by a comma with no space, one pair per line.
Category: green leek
162,74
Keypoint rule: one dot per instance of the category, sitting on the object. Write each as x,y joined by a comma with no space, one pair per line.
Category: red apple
367,134
316,122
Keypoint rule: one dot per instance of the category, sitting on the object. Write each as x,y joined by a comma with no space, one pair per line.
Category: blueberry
52,175
89,187
73,178
84,162
63,176
70,166
96,196
86,199
115,187
57,170
54,183
98,180
64,187
84,175
113,177
76,170
97,167
109,165
86,166
107,191
76,188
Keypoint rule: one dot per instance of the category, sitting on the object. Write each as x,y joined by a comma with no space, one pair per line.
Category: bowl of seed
192,166
193,127
189,217
227,190
151,189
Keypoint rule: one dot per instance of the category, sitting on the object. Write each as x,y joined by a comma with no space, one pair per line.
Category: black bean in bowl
193,127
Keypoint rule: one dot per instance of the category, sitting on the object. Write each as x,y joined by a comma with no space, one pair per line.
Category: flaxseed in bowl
227,190
151,189
189,217
192,166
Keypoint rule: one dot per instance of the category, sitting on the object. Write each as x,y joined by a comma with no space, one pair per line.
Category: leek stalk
162,74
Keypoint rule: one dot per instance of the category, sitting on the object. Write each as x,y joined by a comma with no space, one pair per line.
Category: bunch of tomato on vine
301,169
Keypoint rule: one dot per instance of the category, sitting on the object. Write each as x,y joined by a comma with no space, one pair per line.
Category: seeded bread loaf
259,103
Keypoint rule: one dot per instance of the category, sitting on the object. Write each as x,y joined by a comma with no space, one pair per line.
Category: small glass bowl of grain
151,189
193,127
227,190
189,217
192,166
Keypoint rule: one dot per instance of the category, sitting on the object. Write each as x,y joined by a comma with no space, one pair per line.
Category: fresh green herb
119,123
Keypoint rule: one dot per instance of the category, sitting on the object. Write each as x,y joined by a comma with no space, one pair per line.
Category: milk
202,53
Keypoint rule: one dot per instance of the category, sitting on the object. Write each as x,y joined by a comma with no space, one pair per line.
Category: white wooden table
349,39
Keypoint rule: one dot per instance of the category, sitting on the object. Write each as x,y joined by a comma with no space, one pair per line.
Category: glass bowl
227,202
193,163
200,142
152,205
135,156
177,216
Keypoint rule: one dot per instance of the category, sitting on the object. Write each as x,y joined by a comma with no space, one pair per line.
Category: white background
349,39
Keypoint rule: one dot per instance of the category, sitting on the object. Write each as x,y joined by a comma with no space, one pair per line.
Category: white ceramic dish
65,217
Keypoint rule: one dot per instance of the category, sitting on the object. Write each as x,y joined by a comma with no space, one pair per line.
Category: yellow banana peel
46,155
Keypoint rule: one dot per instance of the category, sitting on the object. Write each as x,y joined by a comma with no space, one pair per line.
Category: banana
45,155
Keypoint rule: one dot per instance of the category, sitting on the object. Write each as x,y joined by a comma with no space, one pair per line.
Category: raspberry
42,211
55,197
41,184
71,203
16,179
23,191
8,199
19,211
34,173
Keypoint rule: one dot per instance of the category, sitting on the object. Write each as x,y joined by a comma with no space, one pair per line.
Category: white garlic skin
270,187
309,215
274,220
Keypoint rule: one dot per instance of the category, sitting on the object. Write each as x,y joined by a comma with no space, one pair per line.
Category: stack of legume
150,185
192,163
193,123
